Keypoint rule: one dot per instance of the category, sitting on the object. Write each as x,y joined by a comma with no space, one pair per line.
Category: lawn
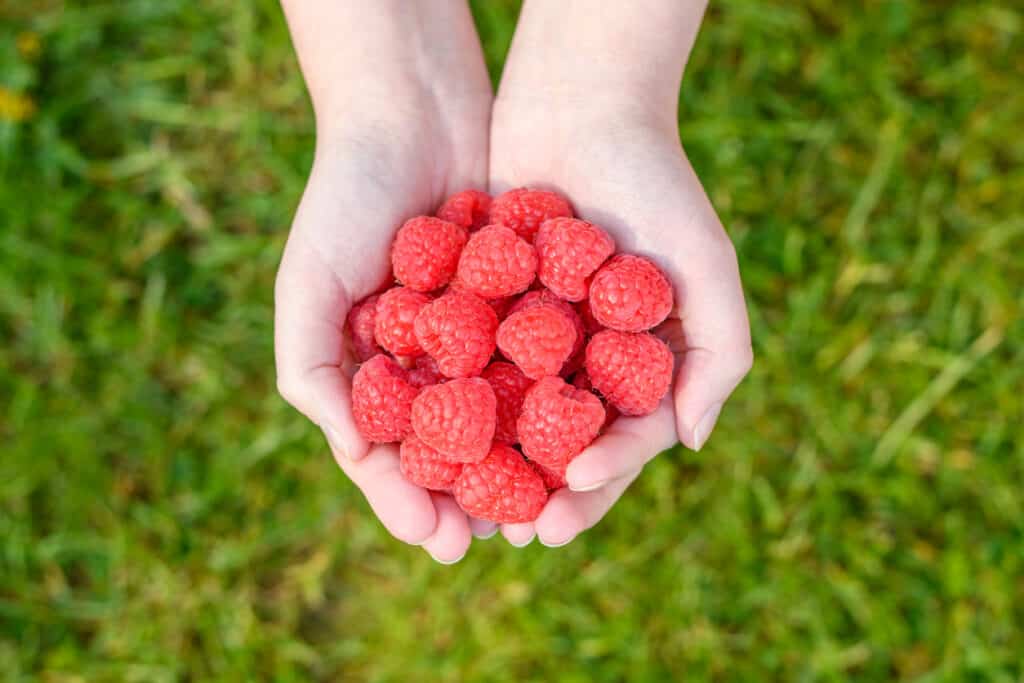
858,515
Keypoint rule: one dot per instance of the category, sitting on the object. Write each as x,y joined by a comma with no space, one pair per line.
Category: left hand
623,168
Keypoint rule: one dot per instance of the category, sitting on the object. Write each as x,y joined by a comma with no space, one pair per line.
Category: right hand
372,172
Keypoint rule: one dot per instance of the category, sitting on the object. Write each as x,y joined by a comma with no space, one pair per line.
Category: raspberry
630,294
469,208
557,422
546,296
524,210
581,380
501,306
510,385
426,252
360,327
423,466
568,252
396,314
539,339
496,263
590,324
382,400
425,372
458,331
574,363
501,488
632,371
552,480
456,418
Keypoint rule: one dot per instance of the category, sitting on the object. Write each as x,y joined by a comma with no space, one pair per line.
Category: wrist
582,104
620,60
401,104
382,60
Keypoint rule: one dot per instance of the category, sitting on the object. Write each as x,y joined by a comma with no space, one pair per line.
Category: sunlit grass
164,516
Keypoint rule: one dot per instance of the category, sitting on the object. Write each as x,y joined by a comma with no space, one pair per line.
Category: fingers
570,513
703,384
600,474
519,535
309,318
450,540
481,528
717,352
627,445
406,511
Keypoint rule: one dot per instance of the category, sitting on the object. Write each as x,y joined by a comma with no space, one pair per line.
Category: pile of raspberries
514,335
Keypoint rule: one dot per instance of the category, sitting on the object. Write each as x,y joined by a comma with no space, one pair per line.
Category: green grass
858,515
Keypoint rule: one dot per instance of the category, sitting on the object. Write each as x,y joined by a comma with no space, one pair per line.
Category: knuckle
744,361
288,389
281,283
724,244
728,256
717,244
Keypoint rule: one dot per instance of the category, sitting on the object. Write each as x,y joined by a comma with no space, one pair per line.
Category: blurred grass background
857,516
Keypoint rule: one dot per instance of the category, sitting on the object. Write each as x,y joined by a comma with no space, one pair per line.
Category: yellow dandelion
28,44
15,106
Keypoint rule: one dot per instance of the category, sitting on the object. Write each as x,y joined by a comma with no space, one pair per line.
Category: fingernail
484,537
589,487
558,545
704,426
335,441
446,562
523,545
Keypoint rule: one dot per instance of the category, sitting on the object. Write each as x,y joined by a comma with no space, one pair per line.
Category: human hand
390,145
616,154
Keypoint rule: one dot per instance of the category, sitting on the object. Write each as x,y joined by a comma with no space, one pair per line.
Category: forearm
571,51
385,51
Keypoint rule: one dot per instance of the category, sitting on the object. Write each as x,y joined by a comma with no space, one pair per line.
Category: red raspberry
426,252
501,488
425,372
360,328
581,380
546,296
632,371
510,385
590,324
539,339
568,252
423,466
496,263
552,480
456,418
501,306
396,315
469,208
458,331
630,294
557,422
574,363
524,210
382,400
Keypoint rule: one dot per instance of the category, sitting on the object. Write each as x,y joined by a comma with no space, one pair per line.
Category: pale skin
405,116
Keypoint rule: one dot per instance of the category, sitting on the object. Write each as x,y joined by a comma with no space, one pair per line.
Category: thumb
717,349
309,317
